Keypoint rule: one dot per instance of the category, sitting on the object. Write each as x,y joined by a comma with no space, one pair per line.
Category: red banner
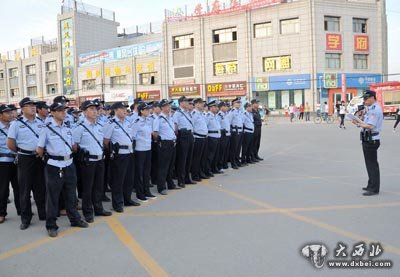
151,95
361,43
226,89
334,42
191,90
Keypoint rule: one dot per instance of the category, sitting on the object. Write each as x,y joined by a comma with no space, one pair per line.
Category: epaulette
373,107
137,120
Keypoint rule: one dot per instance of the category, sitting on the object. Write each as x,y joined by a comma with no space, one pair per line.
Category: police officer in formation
257,128
194,142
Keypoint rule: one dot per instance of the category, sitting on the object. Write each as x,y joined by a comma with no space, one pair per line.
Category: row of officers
52,156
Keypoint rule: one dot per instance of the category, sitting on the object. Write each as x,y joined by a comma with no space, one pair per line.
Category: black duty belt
96,157
213,132
60,158
9,155
26,152
200,135
168,141
248,129
374,134
125,147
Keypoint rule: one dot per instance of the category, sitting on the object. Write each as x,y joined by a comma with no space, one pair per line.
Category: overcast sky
26,19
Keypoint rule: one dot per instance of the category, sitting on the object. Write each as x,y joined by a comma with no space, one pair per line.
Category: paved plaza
248,222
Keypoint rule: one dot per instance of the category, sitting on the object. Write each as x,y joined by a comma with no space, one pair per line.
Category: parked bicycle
323,117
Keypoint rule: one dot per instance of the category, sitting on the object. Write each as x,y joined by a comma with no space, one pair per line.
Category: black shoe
203,176
89,219
150,196
260,159
163,192
119,210
24,226
217,172
80,224
370,193
225,167
103,213
250,162
173,187
190,182
142,199
365,188
235,167
196,179
182,186
209,174
52,233
105,198
243,164
131,203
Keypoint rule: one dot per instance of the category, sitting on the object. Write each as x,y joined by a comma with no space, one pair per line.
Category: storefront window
285,99
298,97
281,99
272,100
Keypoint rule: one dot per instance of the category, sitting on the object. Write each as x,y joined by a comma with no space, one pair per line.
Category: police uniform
184,151
8,169
370,144
214,136
164,127
89,138
248,136
25,133
154,148
236,135
119,132
200,133
225,122
257,130
56,139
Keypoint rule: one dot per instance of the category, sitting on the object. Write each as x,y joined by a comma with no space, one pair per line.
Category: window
52,89
359,25
13,72
14,92
30,69
332,24
118,81
51,66
263,30
225,35
225,68
32,91
186,41
360,61
290,26
332,61
1,75
148,78
2,93
89,84
391,97
278,63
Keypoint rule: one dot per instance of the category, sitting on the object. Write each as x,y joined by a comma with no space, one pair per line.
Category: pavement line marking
331,228
141,255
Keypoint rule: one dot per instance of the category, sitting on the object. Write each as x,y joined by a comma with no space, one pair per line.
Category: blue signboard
353,80
284,82
114,54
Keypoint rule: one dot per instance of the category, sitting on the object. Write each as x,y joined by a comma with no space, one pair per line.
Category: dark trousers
92,187
236,139
247,151
342,120
370,151
397,122
106,182
122,170
54,186
166,164
223,152
154,162
184,153
212,154
199,147
31,178
79,185
203,159
142,173
301,116
8,174
257,140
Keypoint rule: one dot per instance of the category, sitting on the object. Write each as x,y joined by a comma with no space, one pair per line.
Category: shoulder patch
137,120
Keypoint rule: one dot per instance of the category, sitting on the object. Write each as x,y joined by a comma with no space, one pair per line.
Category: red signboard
334,42
361,43
226,89
191,90
150,95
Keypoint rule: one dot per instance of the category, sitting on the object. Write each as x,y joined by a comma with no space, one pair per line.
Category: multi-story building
279,51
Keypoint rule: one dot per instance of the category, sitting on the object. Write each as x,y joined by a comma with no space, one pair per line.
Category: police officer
200,132
88,136
118,131
248,135
69,119
8,169
370,136
42,111
236,133
214,136
257,129
225,122
23,137
134,110
184,124
154,146
56,138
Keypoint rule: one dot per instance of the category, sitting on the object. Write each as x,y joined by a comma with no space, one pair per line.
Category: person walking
397,120
342,113
307,110
301,110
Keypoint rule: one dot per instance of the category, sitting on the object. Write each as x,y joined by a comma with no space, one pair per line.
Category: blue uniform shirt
25,139
3,145
214,128
54,145
248,122
151,119
374,117
165,127
183,120
114,133
224,119
102,120
200,129
132,117
85,139
236,119
141,132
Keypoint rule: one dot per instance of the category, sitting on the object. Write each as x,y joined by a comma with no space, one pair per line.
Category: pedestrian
8,169
56,139
397,120
291,112
307,110
301,110
266,114
342,113
257,129
370,137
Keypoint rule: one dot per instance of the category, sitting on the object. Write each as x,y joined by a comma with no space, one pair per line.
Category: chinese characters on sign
149,67
261,84
330,80
280,63
186,90
359,250
151,95
226,89
334,42
361,43
228,68
67,51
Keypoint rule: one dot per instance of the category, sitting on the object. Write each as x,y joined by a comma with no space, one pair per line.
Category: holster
114,150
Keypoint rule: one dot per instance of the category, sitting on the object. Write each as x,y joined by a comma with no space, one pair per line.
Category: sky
26,19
